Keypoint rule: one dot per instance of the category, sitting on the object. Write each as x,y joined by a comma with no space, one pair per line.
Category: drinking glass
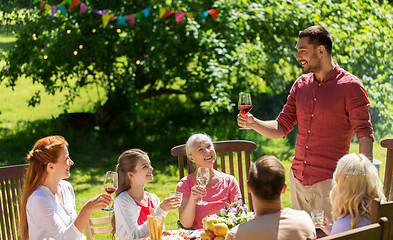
244,105
317,217
110,186
179,195
203,180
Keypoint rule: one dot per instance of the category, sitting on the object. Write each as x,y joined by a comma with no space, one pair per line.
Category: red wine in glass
110,186
244,109
244,105
110,190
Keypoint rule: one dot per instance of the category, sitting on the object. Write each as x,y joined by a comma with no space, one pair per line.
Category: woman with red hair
48,202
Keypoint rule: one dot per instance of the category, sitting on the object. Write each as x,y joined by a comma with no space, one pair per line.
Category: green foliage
250,47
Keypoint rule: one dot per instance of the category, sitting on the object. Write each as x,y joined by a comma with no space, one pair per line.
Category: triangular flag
105,19
190,15
146,11
214,13
168,13
139,15
205,14
62,3
36,1
131,19
121,20
83,8
162,11
69,1
62,9
179,16
47,8
113,18
74,3
53,10
101,12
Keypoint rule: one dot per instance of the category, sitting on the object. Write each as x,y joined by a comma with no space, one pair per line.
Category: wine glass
244,105
110,186
202,179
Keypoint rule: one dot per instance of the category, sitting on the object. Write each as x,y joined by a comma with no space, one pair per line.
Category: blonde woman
356,184
48,202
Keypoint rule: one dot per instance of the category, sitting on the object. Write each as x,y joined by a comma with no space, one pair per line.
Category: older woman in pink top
221,189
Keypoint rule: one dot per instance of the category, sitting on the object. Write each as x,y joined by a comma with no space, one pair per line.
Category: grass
96,150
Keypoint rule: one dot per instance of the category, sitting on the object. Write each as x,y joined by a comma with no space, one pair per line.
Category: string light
78,30
93,30
258,38
80,46
118,30
68,31
75,52
42,50
137,62
34,36
45,57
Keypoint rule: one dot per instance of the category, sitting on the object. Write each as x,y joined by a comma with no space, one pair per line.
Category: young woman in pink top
221,189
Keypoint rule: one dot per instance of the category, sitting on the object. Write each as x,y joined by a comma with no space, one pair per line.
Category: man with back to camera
329,105
266,181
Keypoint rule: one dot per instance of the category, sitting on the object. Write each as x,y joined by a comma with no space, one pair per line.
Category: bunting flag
101,12
146,11
190,16
214,13
131,19
74,3
82,8
105,19
62,9
205,14
121,20
47,9
53,11
139,15
168,13
179,16
64,2
162,11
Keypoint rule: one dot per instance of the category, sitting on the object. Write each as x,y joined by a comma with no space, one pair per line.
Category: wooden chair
376,231
11,181
387,183
225,155
90,230
379,210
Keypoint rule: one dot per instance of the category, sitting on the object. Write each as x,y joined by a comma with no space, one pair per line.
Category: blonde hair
356,184
126,163
193,138
46,150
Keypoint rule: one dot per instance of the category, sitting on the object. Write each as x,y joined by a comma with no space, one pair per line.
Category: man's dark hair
318,35
266,178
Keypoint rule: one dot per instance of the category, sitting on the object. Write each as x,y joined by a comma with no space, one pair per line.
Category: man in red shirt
329,105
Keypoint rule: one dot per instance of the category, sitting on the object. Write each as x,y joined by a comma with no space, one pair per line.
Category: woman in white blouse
132,203
48,202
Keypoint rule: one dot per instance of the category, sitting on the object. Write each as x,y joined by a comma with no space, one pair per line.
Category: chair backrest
387,183
92,228
225,156
376,231
379,210
11,181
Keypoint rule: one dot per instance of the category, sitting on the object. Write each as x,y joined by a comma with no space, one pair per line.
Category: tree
249,47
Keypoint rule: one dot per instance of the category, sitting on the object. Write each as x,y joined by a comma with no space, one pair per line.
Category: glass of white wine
202,179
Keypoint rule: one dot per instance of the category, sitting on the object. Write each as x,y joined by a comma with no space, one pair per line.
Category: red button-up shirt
327,114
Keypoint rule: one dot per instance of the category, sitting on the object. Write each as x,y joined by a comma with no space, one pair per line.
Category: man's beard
315,66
